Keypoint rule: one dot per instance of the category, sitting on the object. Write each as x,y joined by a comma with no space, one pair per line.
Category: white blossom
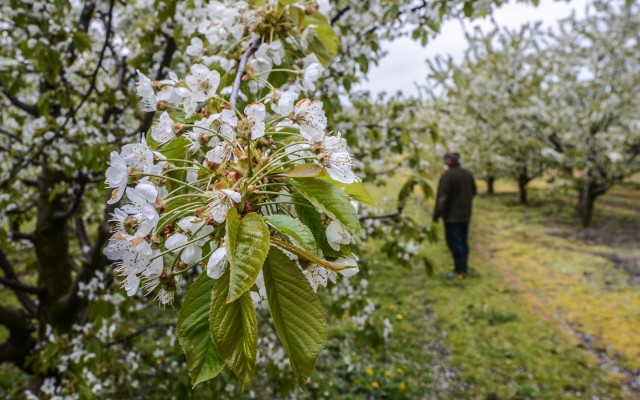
220,203
217,263
283,103
145,91
255,115
163,131
202,82
310,75
337,159
309,116
196,48
117,176
337,235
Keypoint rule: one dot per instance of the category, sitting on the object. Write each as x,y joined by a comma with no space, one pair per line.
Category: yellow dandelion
375,385
402,387
388,373
501,289
399,370
399,317
369,371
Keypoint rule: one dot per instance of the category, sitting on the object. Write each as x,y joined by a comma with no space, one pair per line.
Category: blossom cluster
203,156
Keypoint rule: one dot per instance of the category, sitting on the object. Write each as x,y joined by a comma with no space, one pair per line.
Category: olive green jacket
456,190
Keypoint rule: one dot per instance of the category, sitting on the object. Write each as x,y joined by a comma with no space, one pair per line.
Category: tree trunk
490,181
523,181
55,271
522,192
585,210
588,194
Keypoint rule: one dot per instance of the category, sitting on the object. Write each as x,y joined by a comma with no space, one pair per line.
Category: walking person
454,199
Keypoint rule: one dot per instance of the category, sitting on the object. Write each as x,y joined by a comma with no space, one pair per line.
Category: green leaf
176,149
297,15
313,220
81,41
427,190
203,359
304,171
296,229
101,309
468,9
248,241
328,38
356,189
297,313
329,199
235,330
318,48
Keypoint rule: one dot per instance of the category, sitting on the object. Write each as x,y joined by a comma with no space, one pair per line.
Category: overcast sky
405,61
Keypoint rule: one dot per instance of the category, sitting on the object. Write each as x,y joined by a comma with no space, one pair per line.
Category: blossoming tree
594,98
496,93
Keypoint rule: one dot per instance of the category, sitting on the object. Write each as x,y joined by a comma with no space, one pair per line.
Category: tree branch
14,285
242,65
28,108
78,191
384,216
125,340
339,14
10,276
18,346
83,237
164,64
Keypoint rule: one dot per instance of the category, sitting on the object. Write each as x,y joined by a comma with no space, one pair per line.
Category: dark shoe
459,265
464,267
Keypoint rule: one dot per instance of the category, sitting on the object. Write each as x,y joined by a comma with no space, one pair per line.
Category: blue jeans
456,234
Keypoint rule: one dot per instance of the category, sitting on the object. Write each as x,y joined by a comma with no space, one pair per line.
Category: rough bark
522,192
18,345
490,184
52,251
587,196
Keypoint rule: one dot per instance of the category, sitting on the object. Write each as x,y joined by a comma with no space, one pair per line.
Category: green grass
541,316
547,312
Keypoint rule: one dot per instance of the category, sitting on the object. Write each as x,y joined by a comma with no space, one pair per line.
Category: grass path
540,317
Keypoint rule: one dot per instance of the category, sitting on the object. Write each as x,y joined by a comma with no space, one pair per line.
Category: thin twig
125,340
385,216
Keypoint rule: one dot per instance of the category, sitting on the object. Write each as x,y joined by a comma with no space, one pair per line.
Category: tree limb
28,108
10,276
14,285
167,56
125,340
83,237
339,14
384,216
242,65
19,344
